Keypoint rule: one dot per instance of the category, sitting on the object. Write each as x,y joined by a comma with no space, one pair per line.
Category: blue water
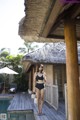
4,103
17,115
22,116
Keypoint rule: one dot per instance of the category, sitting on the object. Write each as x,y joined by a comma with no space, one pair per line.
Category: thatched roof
45,18
49,53
31,25
35,12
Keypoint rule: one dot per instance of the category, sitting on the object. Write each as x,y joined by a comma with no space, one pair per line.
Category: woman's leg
38,99
41,99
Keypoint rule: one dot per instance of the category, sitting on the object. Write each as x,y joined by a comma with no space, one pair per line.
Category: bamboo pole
72,69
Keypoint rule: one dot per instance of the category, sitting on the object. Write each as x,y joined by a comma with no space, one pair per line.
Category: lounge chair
13,88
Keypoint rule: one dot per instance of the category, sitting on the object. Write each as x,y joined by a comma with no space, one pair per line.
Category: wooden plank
20,102
53,114
24,102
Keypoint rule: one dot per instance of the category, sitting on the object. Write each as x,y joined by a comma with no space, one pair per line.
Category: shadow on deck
24,102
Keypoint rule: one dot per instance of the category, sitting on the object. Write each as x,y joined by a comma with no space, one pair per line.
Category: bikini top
39,77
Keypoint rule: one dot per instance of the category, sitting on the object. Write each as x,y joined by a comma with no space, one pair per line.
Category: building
52,21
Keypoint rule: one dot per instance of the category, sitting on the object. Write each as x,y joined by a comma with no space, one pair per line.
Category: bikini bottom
39,85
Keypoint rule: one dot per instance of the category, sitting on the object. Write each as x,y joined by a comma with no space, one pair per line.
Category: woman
40,79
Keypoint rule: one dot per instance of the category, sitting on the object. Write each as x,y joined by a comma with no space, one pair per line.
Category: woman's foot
39,114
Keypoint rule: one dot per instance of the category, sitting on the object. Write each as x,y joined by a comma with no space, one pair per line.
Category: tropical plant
22,82
4,54
14,62
28,47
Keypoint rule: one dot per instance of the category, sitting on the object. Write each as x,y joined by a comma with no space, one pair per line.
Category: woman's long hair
38,66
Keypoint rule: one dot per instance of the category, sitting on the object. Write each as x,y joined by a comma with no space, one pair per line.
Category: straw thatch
49,53
45,18
35,14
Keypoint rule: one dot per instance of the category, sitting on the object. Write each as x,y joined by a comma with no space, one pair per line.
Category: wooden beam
56,36
40,39
72,11
61,37
52,18
72,70
76,11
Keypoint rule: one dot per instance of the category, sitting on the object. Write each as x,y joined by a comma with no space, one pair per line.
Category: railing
51,95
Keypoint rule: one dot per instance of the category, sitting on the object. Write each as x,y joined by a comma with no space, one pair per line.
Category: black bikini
39,85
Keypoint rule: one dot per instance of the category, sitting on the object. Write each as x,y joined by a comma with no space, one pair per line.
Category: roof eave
39,36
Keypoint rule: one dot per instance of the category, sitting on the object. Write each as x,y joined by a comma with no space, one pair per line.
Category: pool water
14,115
4,103
21,115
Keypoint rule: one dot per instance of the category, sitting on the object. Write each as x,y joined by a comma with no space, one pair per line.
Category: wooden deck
24,102
20,102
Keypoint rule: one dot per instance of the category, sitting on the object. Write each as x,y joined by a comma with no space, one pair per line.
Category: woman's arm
45,79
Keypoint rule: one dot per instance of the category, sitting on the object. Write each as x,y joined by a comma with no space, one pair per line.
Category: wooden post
30,80
33,80
72,69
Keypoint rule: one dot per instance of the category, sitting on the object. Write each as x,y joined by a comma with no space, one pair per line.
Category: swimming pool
13,115
4,103
21,115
